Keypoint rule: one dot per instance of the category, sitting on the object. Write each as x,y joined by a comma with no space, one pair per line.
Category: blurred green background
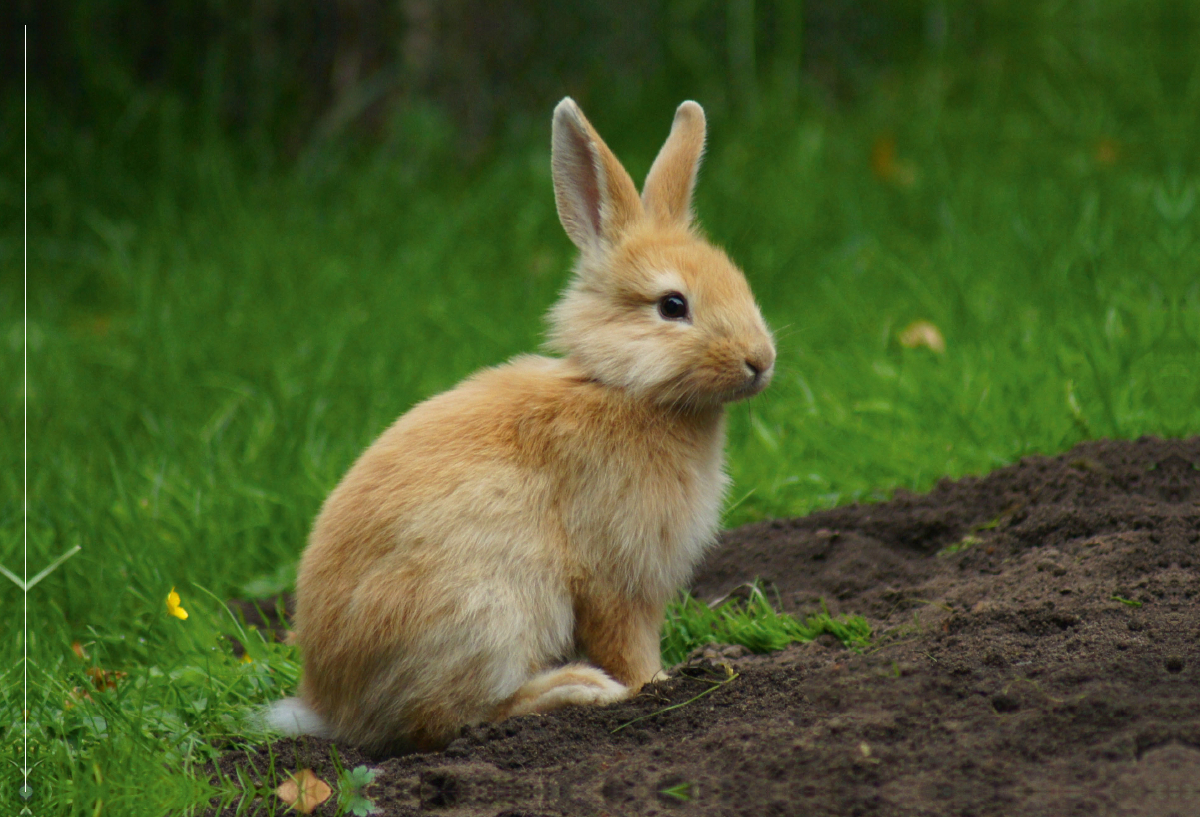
258,232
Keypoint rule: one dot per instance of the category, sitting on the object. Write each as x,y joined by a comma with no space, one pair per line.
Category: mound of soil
1037,653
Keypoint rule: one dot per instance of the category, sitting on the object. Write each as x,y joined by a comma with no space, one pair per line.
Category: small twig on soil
715,686
657,695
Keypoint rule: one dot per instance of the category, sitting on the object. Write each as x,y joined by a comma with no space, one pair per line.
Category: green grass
209,349
754,624
968,541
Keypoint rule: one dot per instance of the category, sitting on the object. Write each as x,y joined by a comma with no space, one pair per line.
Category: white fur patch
292,716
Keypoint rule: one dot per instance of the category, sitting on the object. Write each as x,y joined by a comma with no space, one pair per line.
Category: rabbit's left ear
667,194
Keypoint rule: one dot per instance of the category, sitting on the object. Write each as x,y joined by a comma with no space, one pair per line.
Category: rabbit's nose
760,370
760,362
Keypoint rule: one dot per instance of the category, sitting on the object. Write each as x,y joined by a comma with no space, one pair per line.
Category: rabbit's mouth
756,380
753,387
753,384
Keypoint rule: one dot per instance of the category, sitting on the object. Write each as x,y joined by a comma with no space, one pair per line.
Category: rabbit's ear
596,198
667,194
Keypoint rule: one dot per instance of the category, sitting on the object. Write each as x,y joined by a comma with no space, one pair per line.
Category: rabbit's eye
673,306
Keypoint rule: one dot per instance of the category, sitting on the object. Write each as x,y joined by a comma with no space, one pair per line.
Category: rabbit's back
530,443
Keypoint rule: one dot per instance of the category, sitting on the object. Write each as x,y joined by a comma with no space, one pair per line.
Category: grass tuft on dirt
752,623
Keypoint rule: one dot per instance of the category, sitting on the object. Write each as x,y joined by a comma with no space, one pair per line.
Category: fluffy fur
507,547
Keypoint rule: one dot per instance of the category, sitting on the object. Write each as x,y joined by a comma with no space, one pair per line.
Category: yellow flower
246,659
173,607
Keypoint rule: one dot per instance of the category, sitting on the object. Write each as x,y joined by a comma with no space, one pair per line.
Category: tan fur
569,685
546,509
667,194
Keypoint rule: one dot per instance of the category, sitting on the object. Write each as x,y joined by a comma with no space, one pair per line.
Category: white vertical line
25,449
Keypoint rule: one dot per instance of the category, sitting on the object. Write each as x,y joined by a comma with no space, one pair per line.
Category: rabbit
508,547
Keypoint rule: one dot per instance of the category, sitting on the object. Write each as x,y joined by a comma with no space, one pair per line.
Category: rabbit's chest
645,522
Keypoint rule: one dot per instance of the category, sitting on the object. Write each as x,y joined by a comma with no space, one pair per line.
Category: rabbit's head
652,308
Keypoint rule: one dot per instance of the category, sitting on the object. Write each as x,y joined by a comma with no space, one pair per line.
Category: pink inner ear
584,177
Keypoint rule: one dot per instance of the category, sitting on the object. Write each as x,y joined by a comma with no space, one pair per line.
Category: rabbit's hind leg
570,685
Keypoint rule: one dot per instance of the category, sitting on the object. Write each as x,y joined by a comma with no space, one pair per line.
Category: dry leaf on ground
304,791
105,679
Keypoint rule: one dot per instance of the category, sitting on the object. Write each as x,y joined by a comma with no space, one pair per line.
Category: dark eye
673,306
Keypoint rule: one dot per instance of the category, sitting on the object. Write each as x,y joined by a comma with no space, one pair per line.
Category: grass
754,624
209,349
968,541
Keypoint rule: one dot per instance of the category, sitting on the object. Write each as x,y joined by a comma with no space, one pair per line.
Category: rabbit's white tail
292,716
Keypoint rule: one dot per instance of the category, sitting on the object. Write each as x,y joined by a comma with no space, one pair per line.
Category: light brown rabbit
508,547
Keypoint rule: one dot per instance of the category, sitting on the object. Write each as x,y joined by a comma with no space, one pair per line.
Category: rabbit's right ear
596,198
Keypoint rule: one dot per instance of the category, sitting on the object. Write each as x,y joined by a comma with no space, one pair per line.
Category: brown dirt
1007,677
